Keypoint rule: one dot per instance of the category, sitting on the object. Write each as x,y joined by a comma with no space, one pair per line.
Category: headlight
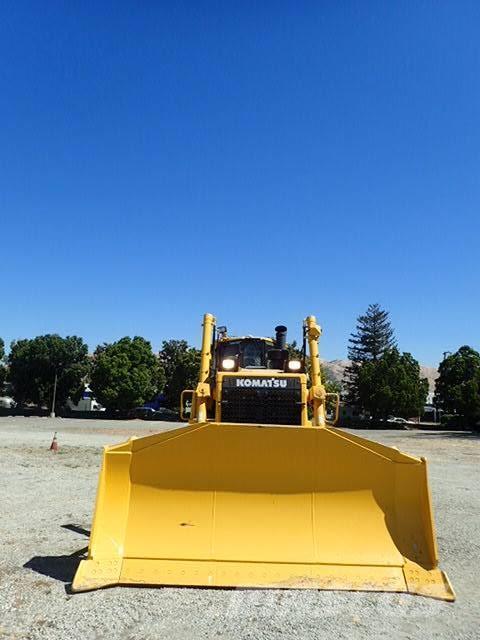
294,365
228,364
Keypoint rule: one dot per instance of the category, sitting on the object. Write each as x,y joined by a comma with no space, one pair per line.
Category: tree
125,374
373,336
34,363
457,389
391,385
3,370
296,353
179,368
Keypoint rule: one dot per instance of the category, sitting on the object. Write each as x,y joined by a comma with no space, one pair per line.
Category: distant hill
335,369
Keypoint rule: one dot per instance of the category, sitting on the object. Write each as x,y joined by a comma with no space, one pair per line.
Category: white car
400,421
6,402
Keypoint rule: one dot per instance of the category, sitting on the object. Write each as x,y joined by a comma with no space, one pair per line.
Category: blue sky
258,160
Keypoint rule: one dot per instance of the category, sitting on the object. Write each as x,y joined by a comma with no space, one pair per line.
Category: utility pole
446,353
52,412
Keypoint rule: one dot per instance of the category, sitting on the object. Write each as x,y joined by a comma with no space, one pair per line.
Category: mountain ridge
335,369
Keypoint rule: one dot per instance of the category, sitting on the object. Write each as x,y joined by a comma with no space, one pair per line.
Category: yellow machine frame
316,395
248,505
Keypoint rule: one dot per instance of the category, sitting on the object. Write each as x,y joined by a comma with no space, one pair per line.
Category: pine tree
373,336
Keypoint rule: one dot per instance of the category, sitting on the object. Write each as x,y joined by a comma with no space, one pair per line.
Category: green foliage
33,363
125,374
295,353
453,421
372,337
458,385
391,385
331,385
179,369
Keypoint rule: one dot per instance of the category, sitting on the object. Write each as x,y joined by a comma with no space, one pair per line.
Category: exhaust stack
281,337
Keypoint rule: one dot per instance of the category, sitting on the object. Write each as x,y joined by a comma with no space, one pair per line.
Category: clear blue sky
258,160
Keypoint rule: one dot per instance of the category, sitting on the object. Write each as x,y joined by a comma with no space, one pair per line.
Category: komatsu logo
259,383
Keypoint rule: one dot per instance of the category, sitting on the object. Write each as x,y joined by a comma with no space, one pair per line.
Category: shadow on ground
469,435
76,528
61,568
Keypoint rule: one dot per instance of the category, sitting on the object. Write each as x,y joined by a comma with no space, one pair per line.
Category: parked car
142,413
6,402
162,413
400,422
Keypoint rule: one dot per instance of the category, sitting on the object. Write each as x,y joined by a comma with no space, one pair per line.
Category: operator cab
249,352
243,353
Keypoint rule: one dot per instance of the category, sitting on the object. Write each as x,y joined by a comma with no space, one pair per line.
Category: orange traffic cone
54,445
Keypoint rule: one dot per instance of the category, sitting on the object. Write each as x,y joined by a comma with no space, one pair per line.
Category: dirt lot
46,506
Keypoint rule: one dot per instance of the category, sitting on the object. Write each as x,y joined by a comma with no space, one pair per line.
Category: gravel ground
46,507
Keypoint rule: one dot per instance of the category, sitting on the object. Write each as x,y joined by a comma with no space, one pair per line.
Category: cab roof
237,338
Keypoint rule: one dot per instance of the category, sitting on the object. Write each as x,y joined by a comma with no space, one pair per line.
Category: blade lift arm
203,390
317,394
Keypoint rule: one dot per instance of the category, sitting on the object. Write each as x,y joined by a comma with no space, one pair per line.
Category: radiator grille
261,406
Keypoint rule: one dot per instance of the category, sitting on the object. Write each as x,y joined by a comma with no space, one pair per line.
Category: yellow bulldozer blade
263,506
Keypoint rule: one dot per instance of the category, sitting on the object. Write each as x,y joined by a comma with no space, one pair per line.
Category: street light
52,412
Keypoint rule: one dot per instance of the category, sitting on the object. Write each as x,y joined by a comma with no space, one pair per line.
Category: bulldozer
261,489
